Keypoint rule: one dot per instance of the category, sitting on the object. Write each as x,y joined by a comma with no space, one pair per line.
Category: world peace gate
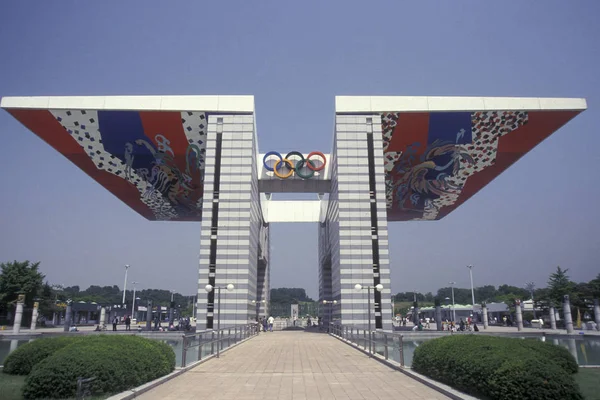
196,158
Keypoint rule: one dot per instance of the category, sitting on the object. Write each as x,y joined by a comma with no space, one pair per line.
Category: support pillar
102,321
416,313
484,315
34,315
149,316
68,316
19,313
519,314
552,318
597,313
438,315
567,314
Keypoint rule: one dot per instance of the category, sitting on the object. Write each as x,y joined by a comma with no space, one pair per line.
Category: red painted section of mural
411,128
167,124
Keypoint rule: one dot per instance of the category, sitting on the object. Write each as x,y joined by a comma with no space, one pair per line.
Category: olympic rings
294,162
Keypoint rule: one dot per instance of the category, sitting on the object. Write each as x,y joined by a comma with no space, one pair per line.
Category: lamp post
125,284
171,305
453,308
379,287
193,308
531,286
472,289
209,288
133,302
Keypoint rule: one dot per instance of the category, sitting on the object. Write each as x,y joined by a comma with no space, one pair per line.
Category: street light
453,308
209,288
531,287
379,287
133,303
125,284
472,290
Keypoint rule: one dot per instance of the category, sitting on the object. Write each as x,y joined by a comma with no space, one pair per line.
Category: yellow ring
289,163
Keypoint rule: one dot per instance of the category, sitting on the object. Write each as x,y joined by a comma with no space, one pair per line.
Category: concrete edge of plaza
135,392
435,385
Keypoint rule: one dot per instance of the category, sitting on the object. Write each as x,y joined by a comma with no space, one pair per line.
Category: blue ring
271,153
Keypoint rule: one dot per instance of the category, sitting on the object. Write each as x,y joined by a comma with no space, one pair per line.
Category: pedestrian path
294,365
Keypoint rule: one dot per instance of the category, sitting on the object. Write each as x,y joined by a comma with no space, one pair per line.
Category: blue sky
294,58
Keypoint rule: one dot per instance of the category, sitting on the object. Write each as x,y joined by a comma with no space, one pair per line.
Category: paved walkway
292,365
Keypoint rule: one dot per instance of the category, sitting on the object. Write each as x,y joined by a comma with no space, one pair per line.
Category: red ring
316,153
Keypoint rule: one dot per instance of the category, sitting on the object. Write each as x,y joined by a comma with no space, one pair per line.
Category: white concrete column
597,313
68,317
567,314
18,314
519,314
552,318
34,315
438,317
102,320
484,314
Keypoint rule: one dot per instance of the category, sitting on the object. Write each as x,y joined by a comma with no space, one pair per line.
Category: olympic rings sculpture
294,161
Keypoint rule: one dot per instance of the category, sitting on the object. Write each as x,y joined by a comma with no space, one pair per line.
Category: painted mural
435,161
153,161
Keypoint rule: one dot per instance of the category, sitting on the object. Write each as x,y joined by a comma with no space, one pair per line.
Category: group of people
266,324
183,324
462,326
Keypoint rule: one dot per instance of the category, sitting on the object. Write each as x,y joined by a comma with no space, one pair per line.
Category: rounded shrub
558,354
22,360
117,362
498,367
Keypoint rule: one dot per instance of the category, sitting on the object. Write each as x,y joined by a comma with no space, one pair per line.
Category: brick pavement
292,365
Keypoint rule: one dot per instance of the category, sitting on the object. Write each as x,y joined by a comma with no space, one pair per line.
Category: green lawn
10,386
588,380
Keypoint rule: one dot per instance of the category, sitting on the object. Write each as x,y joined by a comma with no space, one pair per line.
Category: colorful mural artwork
153,161
436,161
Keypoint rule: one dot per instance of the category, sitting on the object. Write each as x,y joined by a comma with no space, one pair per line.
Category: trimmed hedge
22,360
117,362
499,367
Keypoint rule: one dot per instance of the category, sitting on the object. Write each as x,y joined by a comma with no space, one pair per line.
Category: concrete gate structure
196,158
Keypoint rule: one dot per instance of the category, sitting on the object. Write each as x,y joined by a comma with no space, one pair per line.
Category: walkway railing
212,342
387,344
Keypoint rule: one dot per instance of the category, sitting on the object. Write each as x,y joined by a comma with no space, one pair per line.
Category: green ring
294,153
300,164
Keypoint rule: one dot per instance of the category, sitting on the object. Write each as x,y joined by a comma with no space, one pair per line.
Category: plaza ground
293,365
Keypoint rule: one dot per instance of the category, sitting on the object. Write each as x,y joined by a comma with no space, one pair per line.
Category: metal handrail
243,332
353,335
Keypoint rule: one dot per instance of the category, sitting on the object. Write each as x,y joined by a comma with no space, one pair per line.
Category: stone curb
133,393
437,386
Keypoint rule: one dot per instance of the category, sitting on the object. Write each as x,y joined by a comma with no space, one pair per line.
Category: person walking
270,321
127,323
115,322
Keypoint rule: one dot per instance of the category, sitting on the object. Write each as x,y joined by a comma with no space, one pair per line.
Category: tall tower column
358,210
231,222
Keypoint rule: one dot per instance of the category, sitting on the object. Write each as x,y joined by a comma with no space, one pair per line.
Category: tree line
559,284
26,278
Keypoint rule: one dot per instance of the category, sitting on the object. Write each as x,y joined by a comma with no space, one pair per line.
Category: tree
559,285
19,277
